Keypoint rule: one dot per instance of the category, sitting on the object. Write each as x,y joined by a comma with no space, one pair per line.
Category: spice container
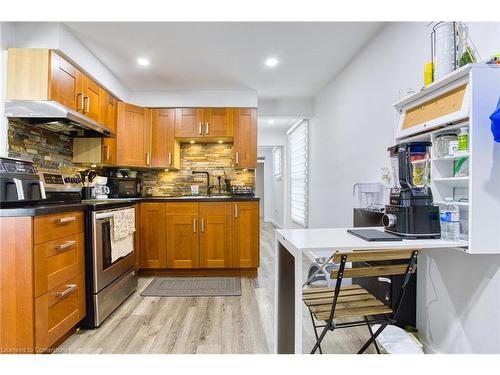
463,139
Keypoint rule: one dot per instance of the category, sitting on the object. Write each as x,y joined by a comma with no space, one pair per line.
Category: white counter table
291,245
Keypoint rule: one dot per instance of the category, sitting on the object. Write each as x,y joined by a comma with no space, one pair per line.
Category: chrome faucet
208,179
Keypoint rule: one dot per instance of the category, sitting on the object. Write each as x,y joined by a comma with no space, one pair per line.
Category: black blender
411,212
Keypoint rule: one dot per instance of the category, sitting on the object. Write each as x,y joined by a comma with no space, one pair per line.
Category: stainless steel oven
111,281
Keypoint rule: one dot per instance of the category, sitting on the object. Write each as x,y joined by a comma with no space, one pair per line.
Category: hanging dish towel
123,223
122,242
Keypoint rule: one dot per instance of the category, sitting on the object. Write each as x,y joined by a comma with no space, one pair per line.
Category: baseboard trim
273,222
200,272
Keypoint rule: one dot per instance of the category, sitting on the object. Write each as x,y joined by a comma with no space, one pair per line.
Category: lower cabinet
152,233
246,235
199,235
215,235
182,235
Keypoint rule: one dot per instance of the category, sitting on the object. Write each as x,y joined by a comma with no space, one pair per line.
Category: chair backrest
375,255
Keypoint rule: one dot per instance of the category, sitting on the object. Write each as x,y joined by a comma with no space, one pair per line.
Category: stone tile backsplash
49,151
211,157
54,152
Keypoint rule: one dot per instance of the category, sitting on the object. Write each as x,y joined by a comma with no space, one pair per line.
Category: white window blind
277,163
298,146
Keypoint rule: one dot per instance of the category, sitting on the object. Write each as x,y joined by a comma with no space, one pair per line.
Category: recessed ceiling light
271,122
271,62
142,61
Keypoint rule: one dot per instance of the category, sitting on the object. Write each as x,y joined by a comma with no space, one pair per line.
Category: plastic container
443,144
463,140
453,148
450,221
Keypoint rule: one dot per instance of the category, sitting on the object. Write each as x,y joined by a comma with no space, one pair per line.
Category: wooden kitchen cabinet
215,235
133,136
189,122
182,235
152,233
42,280
246,239
165,150
245,138
218,122
66,83
91,99
107,116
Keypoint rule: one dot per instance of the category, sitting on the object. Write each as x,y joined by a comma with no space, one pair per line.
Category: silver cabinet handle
67,219
148,158
66,245
194,225
237,157
235,211
70,288
81,101
200,128
88,104
169,158
202,225
207,125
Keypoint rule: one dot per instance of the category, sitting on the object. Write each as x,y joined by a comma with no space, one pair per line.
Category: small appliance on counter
411,212
370,210
99,188
242,190
19,182
124,187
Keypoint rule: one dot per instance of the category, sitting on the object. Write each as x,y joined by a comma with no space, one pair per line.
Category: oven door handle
106,214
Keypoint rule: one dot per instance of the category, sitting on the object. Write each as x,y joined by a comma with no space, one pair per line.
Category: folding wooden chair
329,305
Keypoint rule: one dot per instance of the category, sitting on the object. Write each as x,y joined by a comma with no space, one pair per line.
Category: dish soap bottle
463,139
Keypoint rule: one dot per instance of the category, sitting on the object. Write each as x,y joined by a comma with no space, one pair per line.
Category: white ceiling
226,56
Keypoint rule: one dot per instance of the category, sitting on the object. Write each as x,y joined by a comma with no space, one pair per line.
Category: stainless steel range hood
53,116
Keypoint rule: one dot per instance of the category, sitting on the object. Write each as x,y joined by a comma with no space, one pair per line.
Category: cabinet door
182,235
189,122
65,83
215,235
218,122
163,146
246,235
107,117
245,138
152,233
91,98
133,136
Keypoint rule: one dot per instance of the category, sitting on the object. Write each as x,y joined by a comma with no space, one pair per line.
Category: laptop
374,235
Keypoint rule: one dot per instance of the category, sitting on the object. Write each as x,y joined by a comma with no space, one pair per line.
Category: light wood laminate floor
205,324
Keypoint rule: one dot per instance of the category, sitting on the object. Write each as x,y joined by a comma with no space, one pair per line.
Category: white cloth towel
122,247
123,223
122,241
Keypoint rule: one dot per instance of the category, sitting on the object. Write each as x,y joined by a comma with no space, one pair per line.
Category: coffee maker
411,212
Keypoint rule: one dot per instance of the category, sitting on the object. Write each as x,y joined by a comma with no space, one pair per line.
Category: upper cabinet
165,150
65,83
133,136
107,116
245,138
205,123
189,122
42,74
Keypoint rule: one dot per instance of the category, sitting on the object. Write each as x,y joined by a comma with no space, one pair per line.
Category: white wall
274,191
286,107
352,127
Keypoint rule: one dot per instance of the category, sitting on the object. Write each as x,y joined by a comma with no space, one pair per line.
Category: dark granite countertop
37,210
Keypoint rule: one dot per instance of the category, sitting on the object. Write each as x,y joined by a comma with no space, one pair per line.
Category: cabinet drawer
51,227
59,310
57,262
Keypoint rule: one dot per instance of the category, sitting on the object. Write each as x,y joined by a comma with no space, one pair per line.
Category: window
277,163
298,146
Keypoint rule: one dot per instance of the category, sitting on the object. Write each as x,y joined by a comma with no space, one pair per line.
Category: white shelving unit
478,192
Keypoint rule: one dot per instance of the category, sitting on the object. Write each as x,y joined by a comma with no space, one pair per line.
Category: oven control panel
61,182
